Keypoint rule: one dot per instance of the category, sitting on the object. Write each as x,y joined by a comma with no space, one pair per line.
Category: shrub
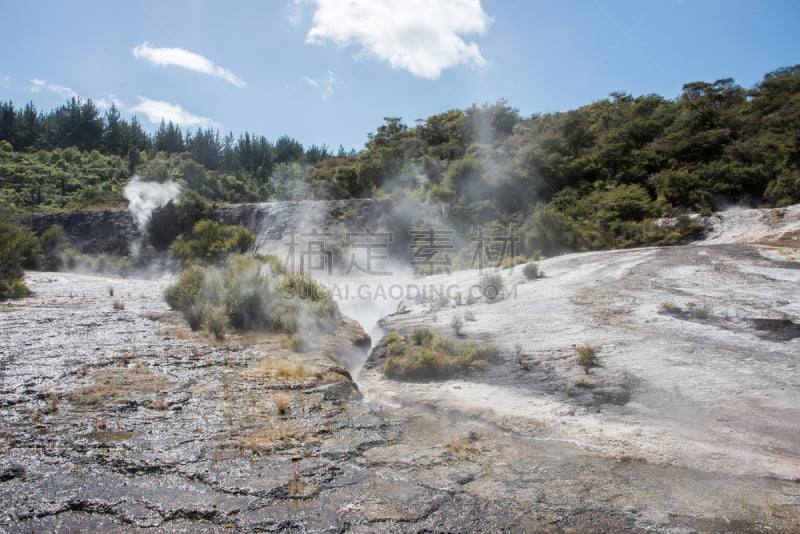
18,249
433,355
669,307
54,245
210,241
282,404
246,293
253,296
185,291
700,312
216,320
302,286
587,357
18,289
532,271
422,336
118,304
457,323
492,285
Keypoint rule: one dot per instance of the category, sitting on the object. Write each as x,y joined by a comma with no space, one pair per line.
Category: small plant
157,404
469,315
460,449
532,271
457,323
185,291
282,404
583,382
441,301
110,291
520,357
296,486
669,307
492,285
216,321
587,357
195,316
17,289
118,304
699,312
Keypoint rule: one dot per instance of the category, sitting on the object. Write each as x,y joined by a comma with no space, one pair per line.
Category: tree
288,150
113,133
169,138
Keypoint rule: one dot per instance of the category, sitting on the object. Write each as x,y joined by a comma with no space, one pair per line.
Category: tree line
593,177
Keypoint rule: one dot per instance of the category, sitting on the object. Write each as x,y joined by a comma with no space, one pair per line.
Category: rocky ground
115,417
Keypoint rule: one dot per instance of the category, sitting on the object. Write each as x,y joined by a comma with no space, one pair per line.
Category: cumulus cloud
421,36
324,86
5,82
180,57
39,85
156,110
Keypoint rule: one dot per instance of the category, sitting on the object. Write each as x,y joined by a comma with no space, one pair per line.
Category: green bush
433,355
18,249
210,242
216,321
17,289
587,357
255,295
185,291
532,271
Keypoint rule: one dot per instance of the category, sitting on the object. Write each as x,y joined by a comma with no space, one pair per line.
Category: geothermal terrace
117,418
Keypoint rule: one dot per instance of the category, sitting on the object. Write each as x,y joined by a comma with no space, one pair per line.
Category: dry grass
157,404
267,440
119,384
583,382
285,370
118,304
464,448
282,403
297,486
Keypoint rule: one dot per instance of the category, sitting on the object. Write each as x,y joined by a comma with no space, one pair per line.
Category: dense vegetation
593,177
249,293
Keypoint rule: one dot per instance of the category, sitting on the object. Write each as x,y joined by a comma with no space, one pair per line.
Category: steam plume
144,197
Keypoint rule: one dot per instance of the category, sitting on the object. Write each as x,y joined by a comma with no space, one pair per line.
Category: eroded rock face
93,232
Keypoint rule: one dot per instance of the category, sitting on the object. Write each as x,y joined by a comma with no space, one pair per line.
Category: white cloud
325,86
105,102
180,57
156,110
421,36
5,82
294,13
38,85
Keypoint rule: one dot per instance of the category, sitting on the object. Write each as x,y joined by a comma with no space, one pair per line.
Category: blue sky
328,71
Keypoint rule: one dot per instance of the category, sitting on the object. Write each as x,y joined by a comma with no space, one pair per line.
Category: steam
144,197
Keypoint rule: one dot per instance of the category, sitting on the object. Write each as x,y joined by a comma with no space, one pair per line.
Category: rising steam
144,197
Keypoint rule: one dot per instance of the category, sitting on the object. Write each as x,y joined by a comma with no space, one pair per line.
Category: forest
604,175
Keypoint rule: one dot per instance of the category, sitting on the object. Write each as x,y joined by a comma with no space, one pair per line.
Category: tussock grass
587,357
433,355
